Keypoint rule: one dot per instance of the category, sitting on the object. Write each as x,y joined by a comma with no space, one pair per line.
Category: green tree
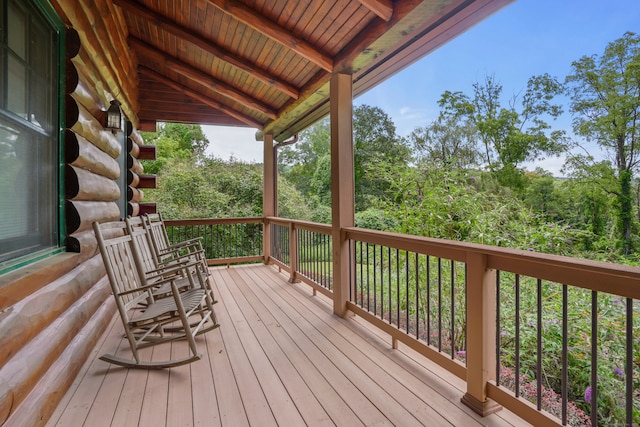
300,161
446,140
375,143
510,135
605,102
175,141
214,188
307,163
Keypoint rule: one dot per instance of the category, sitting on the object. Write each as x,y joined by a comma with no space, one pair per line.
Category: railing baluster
368,287
517,333
351,267
375,293
390,285
539,348
406,275
453,318
594,359
417,296
498,343
314,249
565,368
439,304
361,276
428,300
629,363
326,261
397,289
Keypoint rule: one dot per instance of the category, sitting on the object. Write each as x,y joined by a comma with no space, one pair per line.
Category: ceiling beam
200,77
274,31
197,40
200,97
382,8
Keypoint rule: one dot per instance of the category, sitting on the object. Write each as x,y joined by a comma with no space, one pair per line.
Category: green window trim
59,28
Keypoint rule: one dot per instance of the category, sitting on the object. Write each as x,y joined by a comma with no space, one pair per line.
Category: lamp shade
114,116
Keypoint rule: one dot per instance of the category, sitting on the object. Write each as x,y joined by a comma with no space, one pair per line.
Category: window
30,61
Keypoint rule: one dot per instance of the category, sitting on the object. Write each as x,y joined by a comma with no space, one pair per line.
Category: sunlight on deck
279,358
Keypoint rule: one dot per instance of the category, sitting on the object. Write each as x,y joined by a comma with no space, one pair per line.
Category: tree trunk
625,214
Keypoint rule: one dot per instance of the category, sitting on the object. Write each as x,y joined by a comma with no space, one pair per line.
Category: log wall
53,311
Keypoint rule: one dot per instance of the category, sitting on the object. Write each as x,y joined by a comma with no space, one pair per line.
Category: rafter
200,77
200,97
275,32
382,8
197,40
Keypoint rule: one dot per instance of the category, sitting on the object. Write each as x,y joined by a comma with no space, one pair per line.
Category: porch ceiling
267,63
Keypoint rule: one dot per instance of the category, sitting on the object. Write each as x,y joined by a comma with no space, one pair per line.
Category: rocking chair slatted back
165,252
158,233
119,259
146,254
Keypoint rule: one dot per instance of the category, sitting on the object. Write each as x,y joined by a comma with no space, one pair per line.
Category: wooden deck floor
279,358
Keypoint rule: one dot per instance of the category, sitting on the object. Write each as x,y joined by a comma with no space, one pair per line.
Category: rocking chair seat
191,299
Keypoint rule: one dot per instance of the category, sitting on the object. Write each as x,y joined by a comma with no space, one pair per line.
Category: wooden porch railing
481,312
225,240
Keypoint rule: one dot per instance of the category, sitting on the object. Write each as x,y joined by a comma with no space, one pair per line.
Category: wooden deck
279,358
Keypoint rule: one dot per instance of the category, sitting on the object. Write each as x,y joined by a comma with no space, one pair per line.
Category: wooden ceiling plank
382,8
198,96
336,30
200,77
275,32
196,39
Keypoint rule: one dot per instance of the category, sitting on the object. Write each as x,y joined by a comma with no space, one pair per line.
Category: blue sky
526,38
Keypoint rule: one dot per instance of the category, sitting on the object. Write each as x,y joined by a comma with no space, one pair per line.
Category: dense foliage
605,100
193,185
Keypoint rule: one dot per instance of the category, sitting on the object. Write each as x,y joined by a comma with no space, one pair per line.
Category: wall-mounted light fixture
114,116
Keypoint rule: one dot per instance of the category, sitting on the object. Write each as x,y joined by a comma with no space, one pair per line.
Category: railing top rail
617,279
209,221
303,225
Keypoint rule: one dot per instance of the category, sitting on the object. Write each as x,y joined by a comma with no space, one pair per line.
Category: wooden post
481,334
342,184
268,194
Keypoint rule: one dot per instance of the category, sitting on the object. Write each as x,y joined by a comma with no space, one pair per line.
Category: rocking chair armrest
190,242
192,245
164,266
170,272
149,286
179,250
171,258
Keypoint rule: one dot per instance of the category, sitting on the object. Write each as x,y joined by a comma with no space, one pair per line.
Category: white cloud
237,142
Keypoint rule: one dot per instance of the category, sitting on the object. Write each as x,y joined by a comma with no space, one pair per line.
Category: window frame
57,26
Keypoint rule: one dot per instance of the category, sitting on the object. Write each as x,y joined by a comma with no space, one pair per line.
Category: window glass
40,101
17,87
17,25
29,145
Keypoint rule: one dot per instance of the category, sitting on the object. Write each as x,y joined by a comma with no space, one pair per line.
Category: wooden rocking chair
149,319
150,264
164,250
